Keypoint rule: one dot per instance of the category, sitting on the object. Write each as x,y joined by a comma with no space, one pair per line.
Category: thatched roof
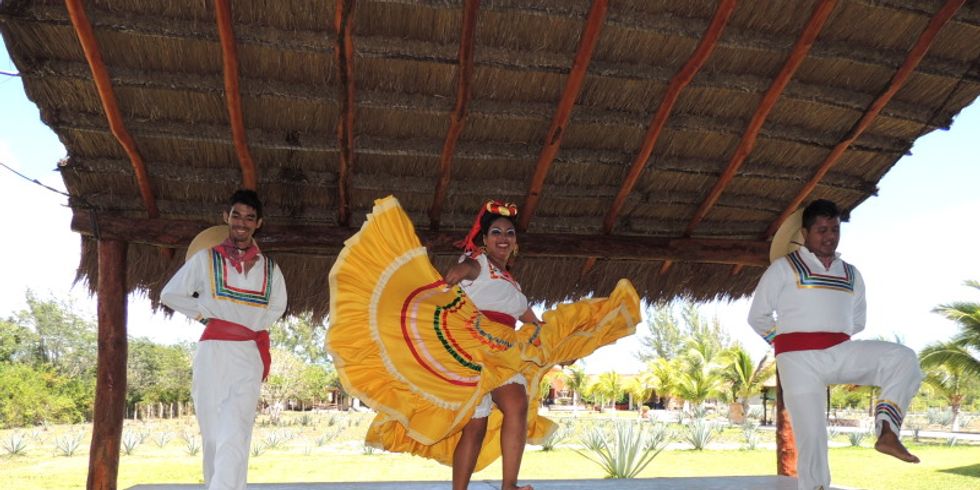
662,141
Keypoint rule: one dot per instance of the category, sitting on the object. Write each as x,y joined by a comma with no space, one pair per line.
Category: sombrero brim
206,239
788,238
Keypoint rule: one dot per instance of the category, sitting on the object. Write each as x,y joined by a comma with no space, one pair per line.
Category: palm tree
664,374
745,378
960,352
699,379
953,367
610,386
641,388
575,380
949,379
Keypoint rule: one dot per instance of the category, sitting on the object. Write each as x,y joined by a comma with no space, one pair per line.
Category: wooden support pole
344,57
103,85
800,51
233,97
457,119
328,240
573,87
677,84
785,442
912,60
110,385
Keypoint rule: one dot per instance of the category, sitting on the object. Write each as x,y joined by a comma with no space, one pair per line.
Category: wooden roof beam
799,52
100,75
573,87
325,240
457,118
915,55
677,84
344,57
233,97
379,47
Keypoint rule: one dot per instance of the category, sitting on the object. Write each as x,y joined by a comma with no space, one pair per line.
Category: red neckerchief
237,257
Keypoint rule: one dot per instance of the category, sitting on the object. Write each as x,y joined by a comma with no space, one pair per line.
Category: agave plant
67,444
700,432
627,451
561,433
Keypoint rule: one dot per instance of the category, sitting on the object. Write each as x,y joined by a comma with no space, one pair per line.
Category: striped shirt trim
221,290
806,278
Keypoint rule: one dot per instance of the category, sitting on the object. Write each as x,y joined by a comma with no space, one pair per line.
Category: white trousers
226,384
804,376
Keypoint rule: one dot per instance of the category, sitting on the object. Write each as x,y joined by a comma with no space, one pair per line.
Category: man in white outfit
808,304
238,293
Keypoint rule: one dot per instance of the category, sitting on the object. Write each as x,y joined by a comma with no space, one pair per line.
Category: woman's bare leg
511,399
466,452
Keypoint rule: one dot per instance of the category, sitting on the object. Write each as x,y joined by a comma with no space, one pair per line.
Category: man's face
242,222
823,236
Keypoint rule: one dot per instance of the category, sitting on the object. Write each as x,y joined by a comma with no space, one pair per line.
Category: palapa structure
657,140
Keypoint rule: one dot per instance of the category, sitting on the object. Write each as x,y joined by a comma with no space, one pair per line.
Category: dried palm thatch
657,140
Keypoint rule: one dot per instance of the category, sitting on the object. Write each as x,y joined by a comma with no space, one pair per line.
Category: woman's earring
513,253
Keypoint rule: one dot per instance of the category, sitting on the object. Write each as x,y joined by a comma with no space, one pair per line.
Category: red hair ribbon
492,207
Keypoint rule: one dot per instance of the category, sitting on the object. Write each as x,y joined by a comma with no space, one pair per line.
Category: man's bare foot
515,487
889,443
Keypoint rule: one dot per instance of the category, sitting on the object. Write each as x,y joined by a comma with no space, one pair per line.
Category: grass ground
330,450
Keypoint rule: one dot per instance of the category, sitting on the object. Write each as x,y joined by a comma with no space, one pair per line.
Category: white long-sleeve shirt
255,299
798,294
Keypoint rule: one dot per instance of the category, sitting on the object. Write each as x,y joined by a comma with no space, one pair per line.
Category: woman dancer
439,358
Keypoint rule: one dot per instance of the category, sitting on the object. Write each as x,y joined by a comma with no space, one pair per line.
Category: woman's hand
468,269
529,317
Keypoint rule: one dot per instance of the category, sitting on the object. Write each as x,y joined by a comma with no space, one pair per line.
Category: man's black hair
820,207
247,197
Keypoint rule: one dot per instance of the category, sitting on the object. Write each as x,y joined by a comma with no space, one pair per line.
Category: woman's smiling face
500,240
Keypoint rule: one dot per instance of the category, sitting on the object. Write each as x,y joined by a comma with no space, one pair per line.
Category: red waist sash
218,329
500,318
794,341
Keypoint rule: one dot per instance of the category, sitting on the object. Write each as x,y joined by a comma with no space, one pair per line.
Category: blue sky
915,243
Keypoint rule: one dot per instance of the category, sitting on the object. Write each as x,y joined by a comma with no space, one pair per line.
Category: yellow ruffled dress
423,356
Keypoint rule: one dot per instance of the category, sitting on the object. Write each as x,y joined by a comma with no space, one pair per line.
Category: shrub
15,444
130,441
627,451
561,433
162,438
67,444
700,432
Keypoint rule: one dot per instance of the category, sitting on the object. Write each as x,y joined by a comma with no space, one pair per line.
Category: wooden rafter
328,240
86,37
587,267
799,52
343,26
457,120
677,84
233,98
914,57
573,87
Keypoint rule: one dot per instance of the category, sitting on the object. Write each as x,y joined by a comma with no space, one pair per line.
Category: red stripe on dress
500,317
411,347
796,341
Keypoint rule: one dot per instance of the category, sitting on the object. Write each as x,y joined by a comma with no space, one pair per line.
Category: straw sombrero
207,239
788,237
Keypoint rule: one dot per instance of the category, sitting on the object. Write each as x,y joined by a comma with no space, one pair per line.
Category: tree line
48,360
48,357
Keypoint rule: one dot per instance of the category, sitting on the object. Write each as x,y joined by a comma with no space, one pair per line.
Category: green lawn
943,467
306,453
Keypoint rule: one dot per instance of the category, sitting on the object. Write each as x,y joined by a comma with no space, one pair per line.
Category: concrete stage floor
699,483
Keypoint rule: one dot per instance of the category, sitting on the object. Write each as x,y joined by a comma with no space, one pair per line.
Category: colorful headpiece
492,207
